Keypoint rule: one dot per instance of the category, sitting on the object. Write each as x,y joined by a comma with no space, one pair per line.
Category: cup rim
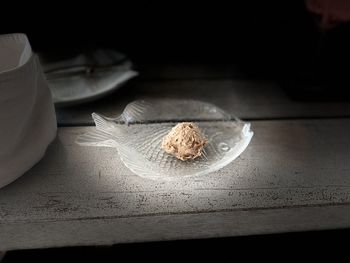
22,37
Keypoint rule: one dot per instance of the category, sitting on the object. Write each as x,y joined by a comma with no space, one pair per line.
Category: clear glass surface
138,133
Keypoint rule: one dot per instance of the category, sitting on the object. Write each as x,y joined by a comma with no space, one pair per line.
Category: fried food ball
185,141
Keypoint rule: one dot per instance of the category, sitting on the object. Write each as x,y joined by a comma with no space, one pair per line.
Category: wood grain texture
244,99
293,176
114,230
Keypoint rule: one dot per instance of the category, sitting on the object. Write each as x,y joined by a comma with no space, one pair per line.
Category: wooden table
294,176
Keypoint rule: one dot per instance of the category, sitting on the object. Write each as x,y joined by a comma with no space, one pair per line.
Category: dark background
265,39
251,32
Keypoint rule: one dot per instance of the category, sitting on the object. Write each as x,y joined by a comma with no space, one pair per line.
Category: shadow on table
292,245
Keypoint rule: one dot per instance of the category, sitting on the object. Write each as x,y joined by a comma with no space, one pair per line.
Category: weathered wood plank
245,99
299,166
108,231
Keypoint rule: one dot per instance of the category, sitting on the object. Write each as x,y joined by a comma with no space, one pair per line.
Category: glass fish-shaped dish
138,133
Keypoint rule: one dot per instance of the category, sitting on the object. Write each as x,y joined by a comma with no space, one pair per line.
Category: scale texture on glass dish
139,131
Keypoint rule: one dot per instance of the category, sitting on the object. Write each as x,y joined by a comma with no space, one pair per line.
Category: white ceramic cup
27,115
